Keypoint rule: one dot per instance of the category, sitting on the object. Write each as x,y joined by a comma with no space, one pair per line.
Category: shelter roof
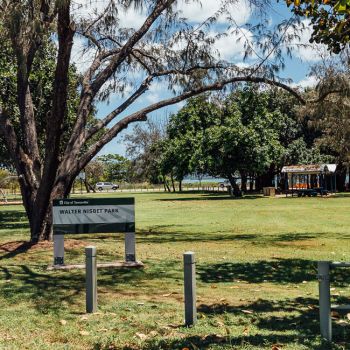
310,169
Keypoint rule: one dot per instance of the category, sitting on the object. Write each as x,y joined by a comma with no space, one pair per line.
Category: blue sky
296,69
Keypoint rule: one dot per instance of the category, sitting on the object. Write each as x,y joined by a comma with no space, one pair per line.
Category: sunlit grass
256,277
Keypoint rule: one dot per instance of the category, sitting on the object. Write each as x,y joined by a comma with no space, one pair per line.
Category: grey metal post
130,254
58,249
190,288
325,300
91,279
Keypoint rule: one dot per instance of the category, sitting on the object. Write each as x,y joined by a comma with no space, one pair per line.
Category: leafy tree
330,20
116,167
143,147
165,48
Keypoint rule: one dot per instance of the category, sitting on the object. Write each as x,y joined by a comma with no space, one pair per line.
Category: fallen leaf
335,314
246,331
153,333
276,347
9,337
234,287
63,322
247,311
171,325
84,333
140,304
141,336
84,317
213,286
167,295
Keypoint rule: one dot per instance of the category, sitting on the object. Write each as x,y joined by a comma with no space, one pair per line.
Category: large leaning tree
165,48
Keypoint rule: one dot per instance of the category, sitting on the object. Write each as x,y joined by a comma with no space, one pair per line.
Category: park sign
98,215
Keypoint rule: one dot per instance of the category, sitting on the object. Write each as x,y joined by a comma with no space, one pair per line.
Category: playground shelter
310,180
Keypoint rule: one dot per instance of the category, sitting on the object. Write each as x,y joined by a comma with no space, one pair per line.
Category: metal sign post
105,215
324,268
190,288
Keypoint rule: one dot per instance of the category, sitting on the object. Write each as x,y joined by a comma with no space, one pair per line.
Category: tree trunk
172,182
40,211
180,185
235,189
244,181
166,185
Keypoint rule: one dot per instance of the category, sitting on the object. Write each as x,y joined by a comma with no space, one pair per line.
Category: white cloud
232,46
302,48
195,11
131,18
309,81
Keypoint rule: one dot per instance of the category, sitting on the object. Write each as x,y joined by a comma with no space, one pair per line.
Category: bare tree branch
142,114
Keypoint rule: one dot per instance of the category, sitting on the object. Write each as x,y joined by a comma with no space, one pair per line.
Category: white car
106,186
224,184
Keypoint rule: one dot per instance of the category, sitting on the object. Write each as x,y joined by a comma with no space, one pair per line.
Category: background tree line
249,134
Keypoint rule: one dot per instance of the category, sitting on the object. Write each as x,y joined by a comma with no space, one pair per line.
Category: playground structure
310,180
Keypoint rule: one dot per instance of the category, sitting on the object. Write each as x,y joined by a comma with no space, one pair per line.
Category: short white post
325,300
91,279
130,251
58,249
190,288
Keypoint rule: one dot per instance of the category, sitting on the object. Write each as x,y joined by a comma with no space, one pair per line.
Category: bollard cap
90,251
189,258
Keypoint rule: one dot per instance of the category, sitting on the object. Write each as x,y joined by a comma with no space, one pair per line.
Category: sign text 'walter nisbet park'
97,215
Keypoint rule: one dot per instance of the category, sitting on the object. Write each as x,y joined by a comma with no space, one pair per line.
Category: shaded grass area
256,277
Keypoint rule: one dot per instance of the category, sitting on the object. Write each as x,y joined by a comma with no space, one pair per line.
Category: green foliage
330,20
115,167
40,79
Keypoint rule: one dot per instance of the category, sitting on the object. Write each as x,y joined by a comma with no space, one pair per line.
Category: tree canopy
330,20
49,141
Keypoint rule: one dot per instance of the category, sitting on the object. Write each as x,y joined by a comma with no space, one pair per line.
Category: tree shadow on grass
14,248
165,234
47,290
299,321
274,271
205,196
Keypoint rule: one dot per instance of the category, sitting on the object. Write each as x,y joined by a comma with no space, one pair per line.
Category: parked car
106,186
224,184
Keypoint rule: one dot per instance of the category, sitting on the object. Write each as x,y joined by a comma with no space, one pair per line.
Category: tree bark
172,182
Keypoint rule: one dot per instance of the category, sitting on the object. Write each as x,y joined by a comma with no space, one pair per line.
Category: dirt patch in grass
301,243
17,246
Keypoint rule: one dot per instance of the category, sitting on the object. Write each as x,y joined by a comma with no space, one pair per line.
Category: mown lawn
256,277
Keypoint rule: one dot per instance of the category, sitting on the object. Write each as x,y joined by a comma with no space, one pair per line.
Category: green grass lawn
256,277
